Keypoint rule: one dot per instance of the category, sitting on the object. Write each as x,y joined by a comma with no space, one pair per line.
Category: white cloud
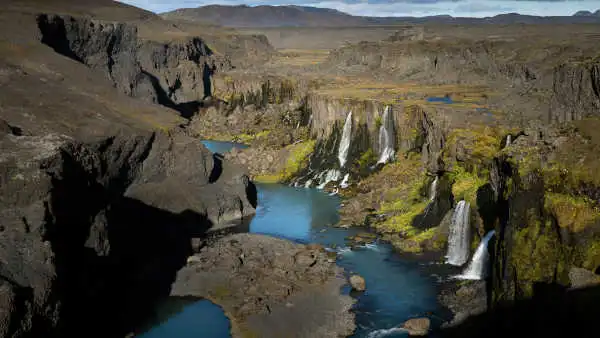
465,8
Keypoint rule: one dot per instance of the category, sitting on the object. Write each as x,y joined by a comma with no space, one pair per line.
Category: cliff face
576,91
101,228
101,194
548,220
545,77
175,74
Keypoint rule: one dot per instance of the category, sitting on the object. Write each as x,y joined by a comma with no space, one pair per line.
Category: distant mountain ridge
305,16
588,13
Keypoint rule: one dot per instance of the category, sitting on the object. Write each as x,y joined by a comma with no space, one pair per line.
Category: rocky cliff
102,196
176,74
548,219
540,77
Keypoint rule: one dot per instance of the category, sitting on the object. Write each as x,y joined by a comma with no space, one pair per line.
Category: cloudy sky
477,8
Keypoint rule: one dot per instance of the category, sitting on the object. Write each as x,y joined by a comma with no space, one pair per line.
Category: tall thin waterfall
508,140
478,266
345,142
458,241
433,189
386,136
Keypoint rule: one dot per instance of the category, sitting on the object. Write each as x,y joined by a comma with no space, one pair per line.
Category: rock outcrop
576,91
101,194
270,287
417,327
176,74
358,283
96,231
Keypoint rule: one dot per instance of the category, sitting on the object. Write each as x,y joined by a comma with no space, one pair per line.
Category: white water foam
386,332
458,241
345,142
370,246
433,189
344,184
344,250
478,266
386,137
331,175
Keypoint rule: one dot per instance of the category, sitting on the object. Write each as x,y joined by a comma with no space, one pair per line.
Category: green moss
426,235
297,159
402,223
248,138
466,185
475,243
479,145
573,213
366,159
591,255
537,255
526,159
378,122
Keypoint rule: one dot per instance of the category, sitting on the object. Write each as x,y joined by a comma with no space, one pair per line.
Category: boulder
417,326
358,283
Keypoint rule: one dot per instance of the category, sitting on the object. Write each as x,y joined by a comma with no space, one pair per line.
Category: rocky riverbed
270,287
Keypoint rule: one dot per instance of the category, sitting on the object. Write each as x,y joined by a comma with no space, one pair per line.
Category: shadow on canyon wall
553,311
114,269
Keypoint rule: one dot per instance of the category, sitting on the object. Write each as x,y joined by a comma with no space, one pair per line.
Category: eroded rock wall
95,232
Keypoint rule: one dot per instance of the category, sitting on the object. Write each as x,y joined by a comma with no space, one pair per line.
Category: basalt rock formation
93,223
101,194
176,74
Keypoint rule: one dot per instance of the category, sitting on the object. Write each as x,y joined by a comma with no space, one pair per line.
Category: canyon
469,144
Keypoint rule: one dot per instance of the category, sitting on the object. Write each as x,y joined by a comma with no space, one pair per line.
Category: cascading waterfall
345,142
508,140
433,189
478,266
331,175
458,241
344,183
386,137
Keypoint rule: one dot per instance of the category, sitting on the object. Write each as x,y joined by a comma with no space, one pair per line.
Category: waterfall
478,266
458,241
345,142
331,175
344,183
308,183
386,137
433,189
508,140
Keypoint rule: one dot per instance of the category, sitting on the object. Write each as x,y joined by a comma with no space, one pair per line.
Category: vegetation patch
297,159
537,255
475,146
591,255
366,160
250,137
466,185
573,213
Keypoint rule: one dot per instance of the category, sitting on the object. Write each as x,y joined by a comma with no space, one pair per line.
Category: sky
462,8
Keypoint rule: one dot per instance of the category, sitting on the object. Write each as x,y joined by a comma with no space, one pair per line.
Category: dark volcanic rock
576,91
176,74
270,287
95,232
465,300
